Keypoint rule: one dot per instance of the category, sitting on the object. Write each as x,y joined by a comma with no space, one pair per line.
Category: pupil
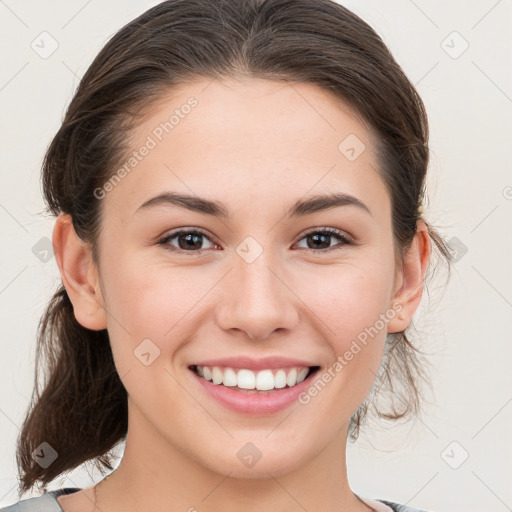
319,236
194,239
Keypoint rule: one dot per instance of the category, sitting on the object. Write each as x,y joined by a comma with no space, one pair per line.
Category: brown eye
190,241
320,240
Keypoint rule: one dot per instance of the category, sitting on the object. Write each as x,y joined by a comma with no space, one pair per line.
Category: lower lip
256,404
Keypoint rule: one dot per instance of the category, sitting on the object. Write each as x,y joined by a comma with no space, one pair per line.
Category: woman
238,191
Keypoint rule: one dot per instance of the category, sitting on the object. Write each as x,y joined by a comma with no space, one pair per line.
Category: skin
257,146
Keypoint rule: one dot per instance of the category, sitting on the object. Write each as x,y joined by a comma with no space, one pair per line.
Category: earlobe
79,274
408,295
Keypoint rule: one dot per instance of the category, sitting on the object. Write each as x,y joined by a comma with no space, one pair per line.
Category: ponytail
81,412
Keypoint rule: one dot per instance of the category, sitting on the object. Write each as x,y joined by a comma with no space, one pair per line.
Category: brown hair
81,410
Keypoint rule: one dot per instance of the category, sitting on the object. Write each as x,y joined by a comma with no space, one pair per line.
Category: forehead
261,137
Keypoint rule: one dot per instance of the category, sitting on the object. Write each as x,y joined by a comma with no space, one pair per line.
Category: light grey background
466,327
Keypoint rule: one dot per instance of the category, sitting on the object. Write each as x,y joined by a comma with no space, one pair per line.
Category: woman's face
260,288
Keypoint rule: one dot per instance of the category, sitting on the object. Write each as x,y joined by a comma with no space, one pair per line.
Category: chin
248,460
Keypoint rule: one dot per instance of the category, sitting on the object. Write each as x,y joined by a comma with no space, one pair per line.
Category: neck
155,475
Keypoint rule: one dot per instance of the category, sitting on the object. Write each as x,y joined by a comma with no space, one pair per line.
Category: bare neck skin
152,476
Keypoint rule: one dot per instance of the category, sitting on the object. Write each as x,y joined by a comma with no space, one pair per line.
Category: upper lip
250,363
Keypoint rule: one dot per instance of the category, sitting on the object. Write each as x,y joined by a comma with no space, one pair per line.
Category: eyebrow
300,208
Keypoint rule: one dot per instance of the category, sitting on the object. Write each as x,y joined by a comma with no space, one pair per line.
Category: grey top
47,502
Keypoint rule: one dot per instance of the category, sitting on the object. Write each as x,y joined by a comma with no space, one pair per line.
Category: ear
410,280
79,274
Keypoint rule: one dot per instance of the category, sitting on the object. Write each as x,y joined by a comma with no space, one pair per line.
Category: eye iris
319,237
195,240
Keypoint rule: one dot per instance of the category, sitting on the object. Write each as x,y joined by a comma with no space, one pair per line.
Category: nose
258,299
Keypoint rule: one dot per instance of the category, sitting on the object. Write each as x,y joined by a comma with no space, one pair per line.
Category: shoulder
379,505
397,507
47,502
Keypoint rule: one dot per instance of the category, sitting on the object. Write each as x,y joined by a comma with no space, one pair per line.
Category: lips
253,387
252,402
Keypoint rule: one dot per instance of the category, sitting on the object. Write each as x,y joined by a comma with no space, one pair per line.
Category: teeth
280,379
217,375
302,375
291,378
246,379
263,380
230,378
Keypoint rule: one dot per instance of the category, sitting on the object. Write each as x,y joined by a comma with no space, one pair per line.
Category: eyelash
324,231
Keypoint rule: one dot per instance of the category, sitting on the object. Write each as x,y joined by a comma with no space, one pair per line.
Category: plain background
457,456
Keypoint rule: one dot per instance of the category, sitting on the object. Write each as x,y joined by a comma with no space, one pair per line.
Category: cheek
149,302
342,386
152,297
151,312
352,307
348,300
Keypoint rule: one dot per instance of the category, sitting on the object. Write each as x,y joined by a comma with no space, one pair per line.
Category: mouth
264,381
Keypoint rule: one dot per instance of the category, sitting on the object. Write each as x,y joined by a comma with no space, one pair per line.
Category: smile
251,382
